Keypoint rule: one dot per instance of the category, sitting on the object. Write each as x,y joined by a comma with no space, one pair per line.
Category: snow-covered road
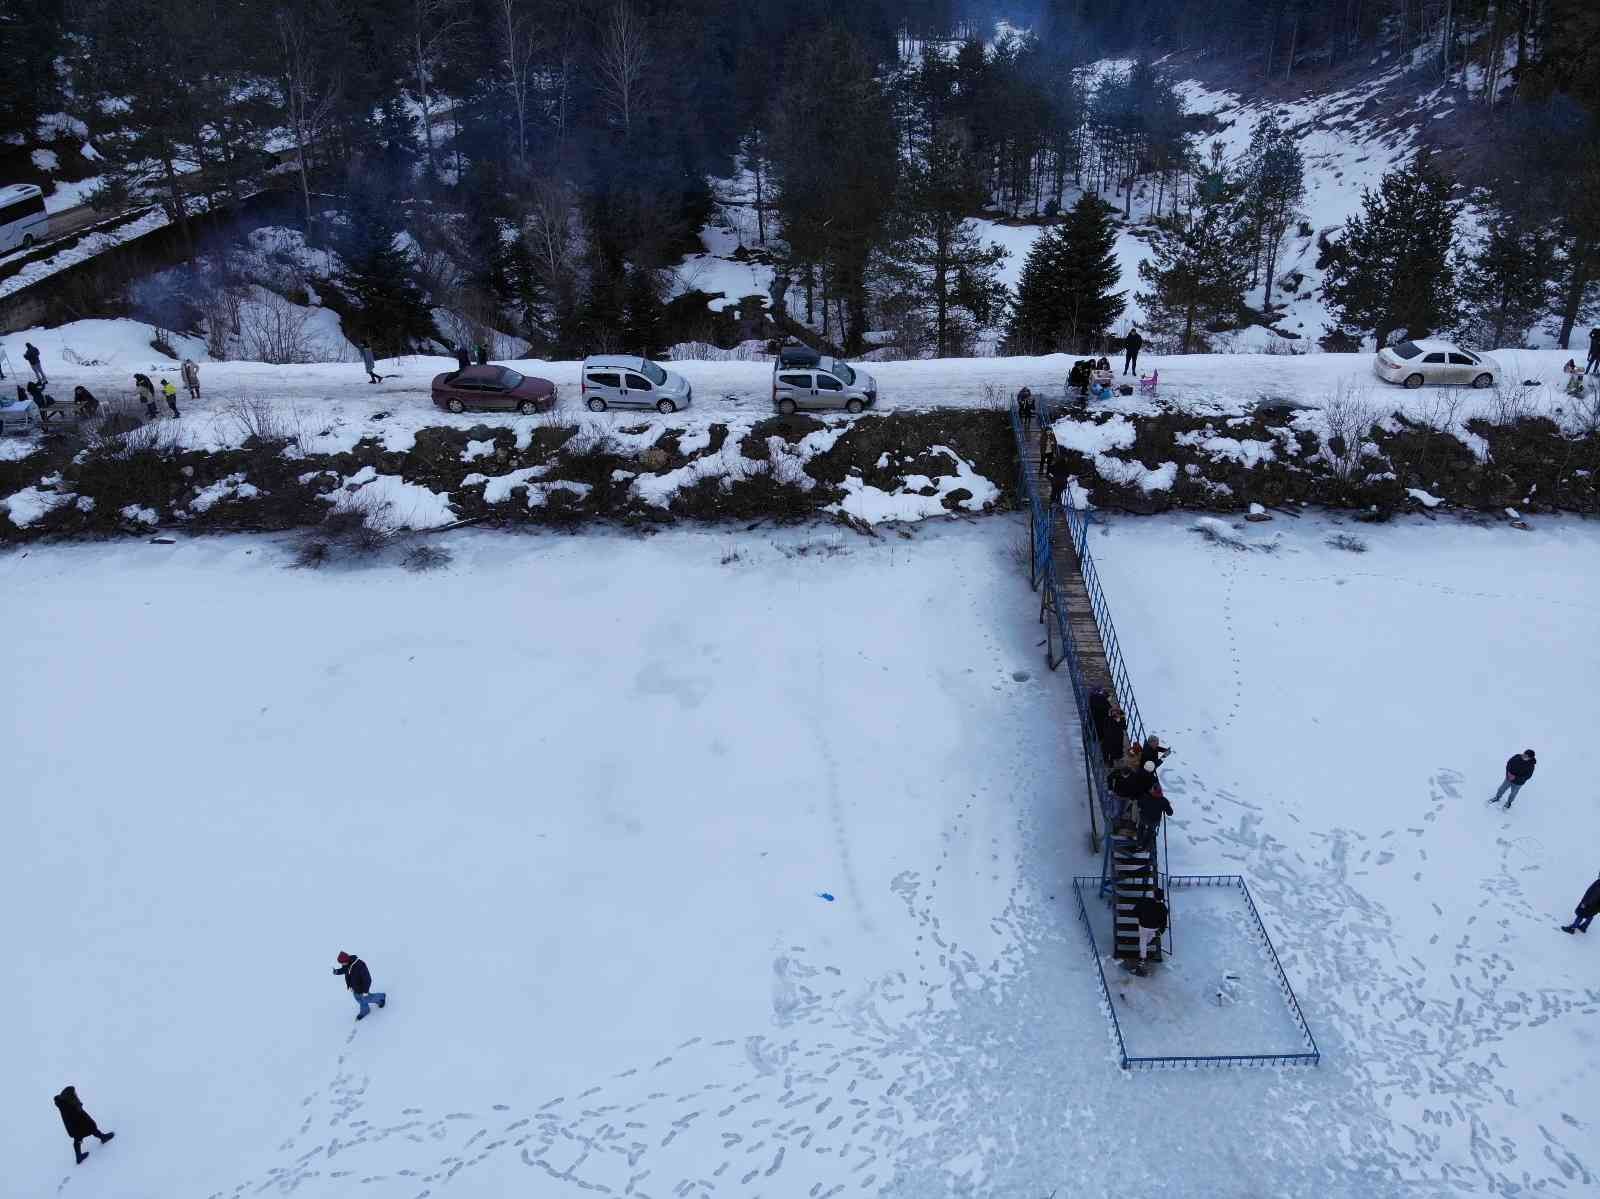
334,406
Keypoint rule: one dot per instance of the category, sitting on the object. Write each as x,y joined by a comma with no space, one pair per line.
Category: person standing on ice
1588,908
359,979
1151,913
170,394
191,377
1519,769
30,355
368,361
1130,360
80,1124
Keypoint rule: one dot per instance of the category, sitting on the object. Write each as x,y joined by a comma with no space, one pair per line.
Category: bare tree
518,46
434,23
624,51
311,83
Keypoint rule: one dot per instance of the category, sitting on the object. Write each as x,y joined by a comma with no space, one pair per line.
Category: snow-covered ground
708,864
1340,719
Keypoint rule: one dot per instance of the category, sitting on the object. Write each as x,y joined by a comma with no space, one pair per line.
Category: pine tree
1506,285
1199,274
936,254
1274,185
378,276
1392,270
1064,298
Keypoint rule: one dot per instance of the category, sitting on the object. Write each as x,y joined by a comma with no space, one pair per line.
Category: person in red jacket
359,979
1519,769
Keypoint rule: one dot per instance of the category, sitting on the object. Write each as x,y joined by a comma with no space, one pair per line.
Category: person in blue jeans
1519,769
359,979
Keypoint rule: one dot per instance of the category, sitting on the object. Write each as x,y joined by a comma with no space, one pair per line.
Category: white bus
22,216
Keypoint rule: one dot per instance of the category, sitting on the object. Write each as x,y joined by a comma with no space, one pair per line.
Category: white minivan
23,219
623,381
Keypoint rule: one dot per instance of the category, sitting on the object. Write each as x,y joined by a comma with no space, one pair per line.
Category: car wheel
786,407
1414,381
854,407
456,406
596,404
27,241
1484,380
527,407
665,407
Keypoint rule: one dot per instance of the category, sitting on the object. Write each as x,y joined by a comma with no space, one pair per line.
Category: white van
23,219
622,381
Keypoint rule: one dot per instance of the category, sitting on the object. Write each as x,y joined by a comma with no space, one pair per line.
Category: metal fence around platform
1310,1056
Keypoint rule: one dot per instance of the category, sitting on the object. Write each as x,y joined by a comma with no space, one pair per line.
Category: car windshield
509,378
842,371
653,372
1406,349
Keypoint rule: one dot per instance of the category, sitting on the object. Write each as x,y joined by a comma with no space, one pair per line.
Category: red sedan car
493,387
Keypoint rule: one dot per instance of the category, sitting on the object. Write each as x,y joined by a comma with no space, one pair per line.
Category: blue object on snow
824,895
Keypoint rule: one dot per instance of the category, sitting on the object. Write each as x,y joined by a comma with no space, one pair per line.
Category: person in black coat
1153,806
1151,913
462,360
1130,360
30,355
1025,406
482,354
1588,908
1519,769
1594,351
359,980
1060,476
79,1123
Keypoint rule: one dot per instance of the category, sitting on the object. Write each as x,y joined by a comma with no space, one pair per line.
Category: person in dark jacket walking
359,979
1130,360
30,355
481,353
1588,908
1594,351
1151,913
1047,447
1025,407
462,360
1519,769
1153,806
1060,476
80,1124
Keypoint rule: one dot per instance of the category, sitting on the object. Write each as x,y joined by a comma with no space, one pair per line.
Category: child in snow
359,979
79,1123
171,394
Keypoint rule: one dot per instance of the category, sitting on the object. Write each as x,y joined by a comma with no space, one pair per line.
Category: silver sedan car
1413,363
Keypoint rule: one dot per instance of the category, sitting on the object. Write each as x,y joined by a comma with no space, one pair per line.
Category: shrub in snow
422,558
1347,542
313,554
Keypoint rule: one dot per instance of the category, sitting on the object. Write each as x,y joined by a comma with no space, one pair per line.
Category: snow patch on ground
233,487
908,502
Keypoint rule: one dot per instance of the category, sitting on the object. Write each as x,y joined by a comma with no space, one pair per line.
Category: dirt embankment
784,468
1376,467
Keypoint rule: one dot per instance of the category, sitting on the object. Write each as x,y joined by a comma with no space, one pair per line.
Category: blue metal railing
1310,1056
